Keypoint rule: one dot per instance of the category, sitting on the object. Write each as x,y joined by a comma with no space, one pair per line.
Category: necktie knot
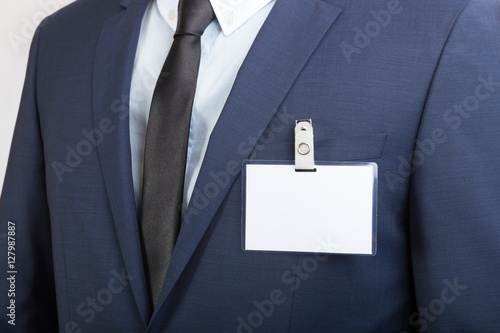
194,17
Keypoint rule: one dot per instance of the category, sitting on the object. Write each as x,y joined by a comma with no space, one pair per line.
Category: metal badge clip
304,145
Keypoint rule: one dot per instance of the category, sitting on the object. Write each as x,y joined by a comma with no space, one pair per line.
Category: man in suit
411,85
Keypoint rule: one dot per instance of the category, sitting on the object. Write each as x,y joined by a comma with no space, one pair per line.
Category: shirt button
229,17
171,14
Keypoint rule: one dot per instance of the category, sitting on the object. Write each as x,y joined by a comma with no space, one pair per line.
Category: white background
18,19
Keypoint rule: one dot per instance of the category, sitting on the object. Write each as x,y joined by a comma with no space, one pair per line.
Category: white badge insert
307,206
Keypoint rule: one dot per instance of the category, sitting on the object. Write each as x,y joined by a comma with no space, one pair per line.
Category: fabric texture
411,85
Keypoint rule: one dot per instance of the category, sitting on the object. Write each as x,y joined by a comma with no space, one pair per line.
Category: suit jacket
413,86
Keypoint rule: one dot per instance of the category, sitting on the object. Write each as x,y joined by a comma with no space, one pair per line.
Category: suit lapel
287,39
112,72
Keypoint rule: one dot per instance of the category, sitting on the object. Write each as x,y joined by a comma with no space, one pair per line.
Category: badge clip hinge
304,145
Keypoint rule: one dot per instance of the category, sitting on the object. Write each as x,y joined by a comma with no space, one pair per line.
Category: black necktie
166,143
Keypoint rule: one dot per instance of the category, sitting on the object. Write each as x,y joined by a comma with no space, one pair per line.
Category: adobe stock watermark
75,155
92,138
372,29
427,315
454,117
89,309
220,180
47,7
292,278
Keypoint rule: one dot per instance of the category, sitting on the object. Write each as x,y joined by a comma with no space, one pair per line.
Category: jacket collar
112,72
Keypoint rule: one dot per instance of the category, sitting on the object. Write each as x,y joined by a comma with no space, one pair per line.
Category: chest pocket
355,148
347,148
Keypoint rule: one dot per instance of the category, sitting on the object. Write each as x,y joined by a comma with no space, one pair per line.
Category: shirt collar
231,14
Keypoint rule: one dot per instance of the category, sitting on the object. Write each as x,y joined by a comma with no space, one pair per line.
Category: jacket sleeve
454,202
27,291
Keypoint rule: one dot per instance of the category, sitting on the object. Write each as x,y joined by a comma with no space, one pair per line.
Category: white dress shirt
224,46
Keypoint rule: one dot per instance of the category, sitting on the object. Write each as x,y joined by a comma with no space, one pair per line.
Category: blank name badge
322,207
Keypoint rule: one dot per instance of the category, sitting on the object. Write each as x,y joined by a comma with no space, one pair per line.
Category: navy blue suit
413,86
